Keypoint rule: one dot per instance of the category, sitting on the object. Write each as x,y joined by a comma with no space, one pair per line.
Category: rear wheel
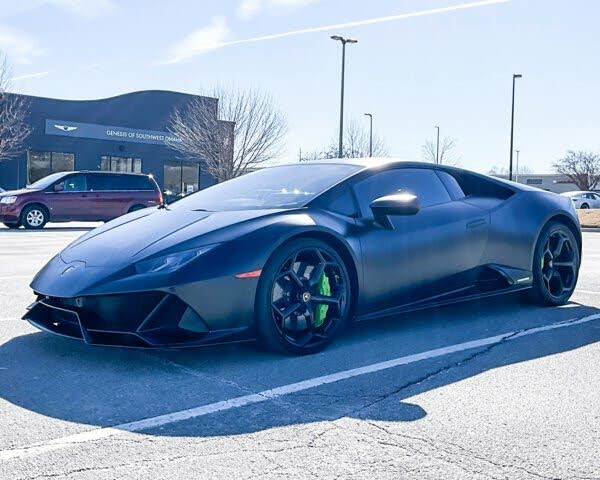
12,225
135,208
34,217
556,266
303,298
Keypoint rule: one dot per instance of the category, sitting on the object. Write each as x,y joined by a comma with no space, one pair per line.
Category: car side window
424,183
98,182
76,183
454,189
344,204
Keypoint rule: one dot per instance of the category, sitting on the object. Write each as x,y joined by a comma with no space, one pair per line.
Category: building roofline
113,97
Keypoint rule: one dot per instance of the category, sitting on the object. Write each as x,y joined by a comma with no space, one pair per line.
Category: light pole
344,42
517,174
437,150
370,115
512,125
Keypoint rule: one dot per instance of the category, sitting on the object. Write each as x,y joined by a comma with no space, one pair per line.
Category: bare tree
497,171
581,167
259,129
14,128
356,143
311,155
447,154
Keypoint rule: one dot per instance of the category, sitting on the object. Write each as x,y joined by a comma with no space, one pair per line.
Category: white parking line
588,292
265,395
12,277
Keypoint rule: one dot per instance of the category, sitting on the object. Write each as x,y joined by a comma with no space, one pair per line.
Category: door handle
479,222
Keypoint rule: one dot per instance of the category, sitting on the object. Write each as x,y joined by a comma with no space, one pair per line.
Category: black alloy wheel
307,289
556,265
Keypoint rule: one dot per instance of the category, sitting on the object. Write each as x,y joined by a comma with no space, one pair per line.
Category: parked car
582,199
291,254
78,196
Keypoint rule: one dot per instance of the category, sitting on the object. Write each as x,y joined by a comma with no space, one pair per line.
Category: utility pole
344,42
437,150
512,125
370,115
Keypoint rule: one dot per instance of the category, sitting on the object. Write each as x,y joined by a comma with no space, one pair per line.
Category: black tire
584,206
12,225
555,266
135,208
34,217
305,329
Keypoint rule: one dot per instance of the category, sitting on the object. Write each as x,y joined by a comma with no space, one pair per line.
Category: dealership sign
107,132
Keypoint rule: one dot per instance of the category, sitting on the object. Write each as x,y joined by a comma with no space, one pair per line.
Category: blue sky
451,68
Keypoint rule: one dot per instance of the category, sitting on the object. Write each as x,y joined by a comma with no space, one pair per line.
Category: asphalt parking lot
492,389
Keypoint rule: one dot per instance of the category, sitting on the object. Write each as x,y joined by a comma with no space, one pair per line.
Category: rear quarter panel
516,224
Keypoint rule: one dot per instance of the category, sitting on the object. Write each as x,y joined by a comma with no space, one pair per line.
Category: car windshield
46,181
286,186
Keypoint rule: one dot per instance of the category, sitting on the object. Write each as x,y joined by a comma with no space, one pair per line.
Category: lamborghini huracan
290,255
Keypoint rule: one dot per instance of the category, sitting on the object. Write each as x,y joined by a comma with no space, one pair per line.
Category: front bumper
9,213
142,320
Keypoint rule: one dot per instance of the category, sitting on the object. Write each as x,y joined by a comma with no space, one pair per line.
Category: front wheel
585,206
34,217
303,298
555,266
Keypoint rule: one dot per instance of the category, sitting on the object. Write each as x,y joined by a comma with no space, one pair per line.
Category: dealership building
127,133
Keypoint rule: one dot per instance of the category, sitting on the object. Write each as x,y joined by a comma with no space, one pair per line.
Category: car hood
22,191
147,232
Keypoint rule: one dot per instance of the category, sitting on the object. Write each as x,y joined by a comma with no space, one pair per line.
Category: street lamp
370,115
512,125
344,42
437,150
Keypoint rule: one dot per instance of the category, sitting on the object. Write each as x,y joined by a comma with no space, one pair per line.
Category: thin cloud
191,50
250,8
208,38
18,46
82,8
30,75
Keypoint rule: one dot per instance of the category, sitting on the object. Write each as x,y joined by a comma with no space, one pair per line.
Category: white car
583,199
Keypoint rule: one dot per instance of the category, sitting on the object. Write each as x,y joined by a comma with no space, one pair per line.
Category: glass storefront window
42,164
181,178
110,163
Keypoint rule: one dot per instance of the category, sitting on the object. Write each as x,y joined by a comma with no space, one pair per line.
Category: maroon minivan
78,196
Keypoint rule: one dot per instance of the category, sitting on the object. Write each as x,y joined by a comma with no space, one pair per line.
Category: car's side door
68,199
410,258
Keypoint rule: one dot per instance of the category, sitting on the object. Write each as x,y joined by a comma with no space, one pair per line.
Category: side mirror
59,187
403,203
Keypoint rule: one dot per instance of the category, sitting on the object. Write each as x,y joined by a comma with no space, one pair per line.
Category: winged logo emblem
66,128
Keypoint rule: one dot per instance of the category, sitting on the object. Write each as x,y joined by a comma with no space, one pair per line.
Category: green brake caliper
325,291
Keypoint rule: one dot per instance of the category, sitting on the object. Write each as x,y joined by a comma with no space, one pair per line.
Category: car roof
108,173
373,162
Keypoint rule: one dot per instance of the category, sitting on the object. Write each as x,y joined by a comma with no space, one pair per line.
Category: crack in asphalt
439,371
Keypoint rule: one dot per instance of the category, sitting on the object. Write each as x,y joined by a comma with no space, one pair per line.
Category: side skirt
440,301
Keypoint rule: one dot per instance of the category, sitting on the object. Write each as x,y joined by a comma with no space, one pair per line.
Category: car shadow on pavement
70,381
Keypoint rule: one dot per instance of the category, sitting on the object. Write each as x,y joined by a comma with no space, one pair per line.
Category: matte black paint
464,249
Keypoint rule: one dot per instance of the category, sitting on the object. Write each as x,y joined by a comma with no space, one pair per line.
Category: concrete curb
590,229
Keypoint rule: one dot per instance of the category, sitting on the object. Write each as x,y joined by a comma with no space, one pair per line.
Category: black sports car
290,254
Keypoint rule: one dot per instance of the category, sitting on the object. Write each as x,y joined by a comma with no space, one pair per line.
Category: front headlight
11,199
172,262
